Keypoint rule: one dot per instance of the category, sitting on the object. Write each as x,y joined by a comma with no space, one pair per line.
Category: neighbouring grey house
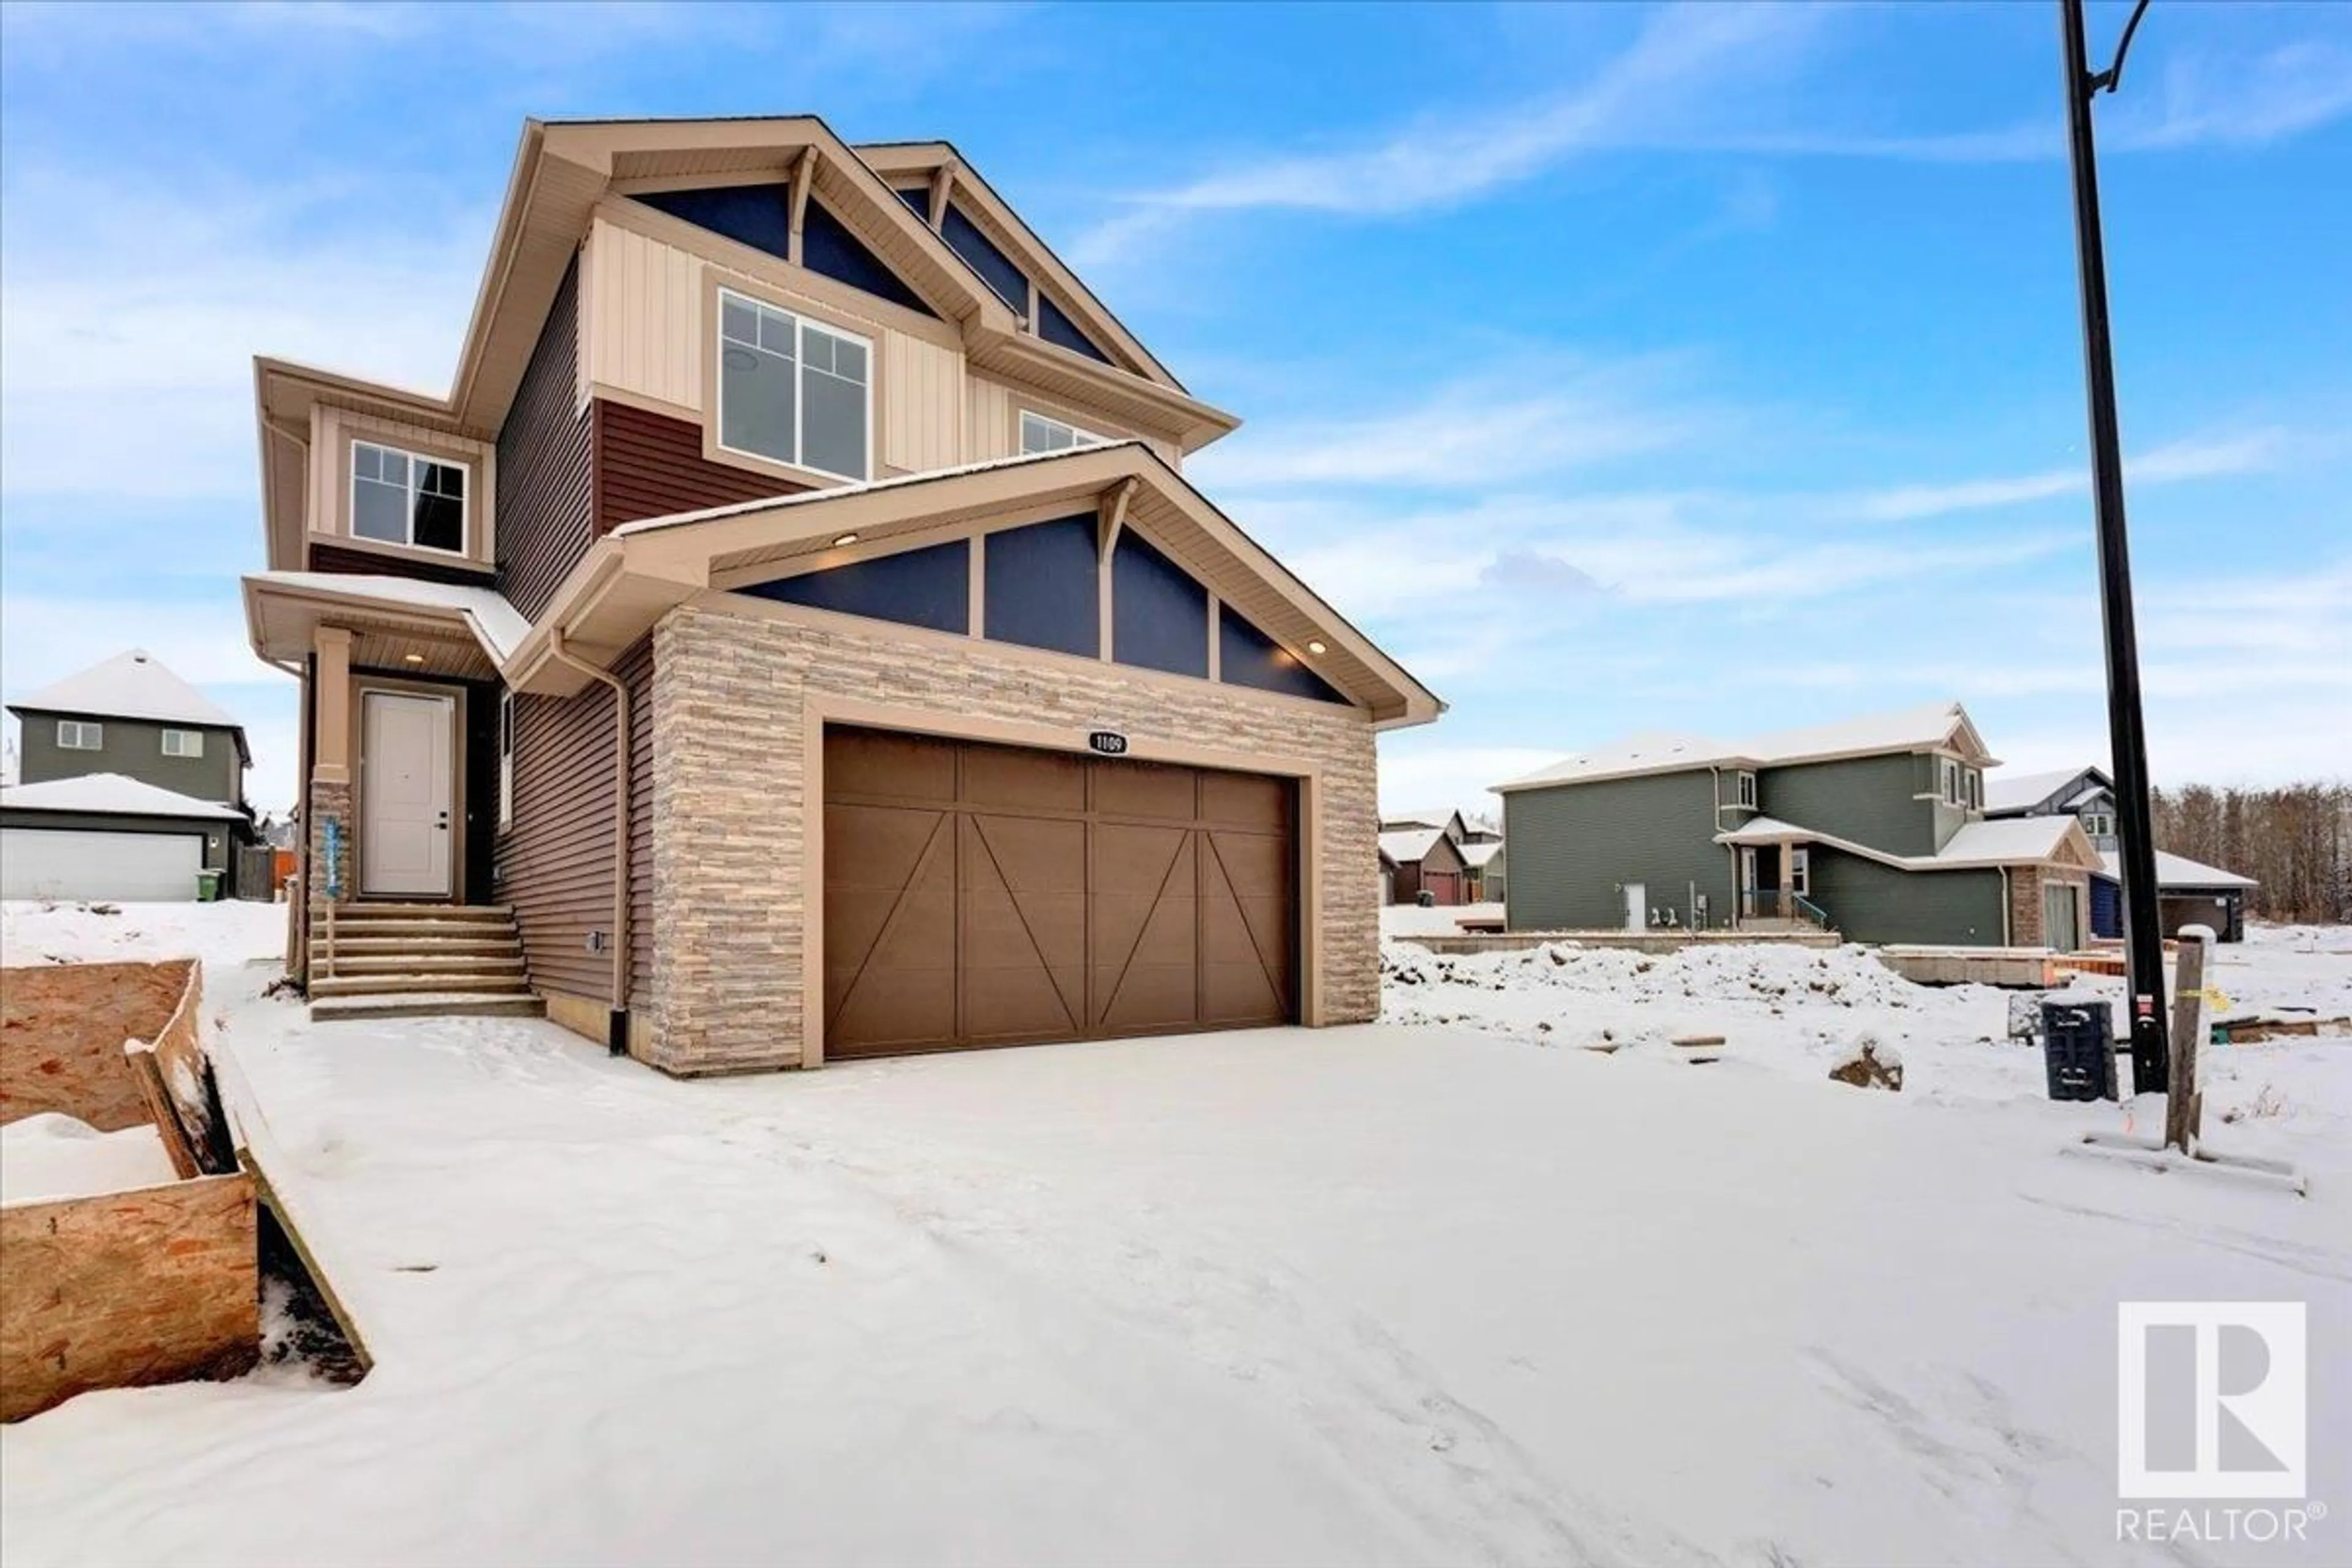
130,781
1874,827
2188,892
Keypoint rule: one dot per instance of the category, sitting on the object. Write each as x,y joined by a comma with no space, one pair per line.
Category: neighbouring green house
1874,828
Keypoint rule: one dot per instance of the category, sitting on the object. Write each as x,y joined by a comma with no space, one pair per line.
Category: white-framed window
794,391
80,735
1747,788
183,742
2099,823
404,497
1800,870
1044,433
1951,782
1976,790
505,758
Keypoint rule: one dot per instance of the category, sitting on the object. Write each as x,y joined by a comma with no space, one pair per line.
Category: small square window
400,498
183,742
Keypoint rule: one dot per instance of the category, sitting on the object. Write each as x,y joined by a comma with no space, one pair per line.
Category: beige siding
328,506
644,338
923,393
992,427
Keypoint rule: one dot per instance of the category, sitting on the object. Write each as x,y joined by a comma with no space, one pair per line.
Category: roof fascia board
1196,423
913,157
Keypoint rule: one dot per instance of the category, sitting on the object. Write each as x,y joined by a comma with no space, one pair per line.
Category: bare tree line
2295,840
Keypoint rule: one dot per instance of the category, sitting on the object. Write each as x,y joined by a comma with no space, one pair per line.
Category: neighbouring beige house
794,637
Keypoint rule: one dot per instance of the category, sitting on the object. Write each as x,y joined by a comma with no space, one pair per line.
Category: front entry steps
396,961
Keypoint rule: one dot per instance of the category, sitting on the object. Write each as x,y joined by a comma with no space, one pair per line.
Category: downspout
616,1035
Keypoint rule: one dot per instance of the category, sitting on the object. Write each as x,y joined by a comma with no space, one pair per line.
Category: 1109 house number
1109,743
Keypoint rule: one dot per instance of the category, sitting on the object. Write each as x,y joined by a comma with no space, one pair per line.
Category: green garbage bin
208,886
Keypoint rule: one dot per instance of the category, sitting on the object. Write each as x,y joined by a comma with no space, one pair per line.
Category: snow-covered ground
1416,1292
47,1157
1438,920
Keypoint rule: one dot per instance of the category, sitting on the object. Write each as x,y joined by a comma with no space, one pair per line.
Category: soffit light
412,658
1315,647
843,541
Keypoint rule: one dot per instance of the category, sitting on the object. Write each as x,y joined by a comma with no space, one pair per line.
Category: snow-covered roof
1652,751
1407,845
1423,816
2180,872
132,685
1477,855
837,492
500,626
1916,728
2016,841
2006,842
2016,791
111,794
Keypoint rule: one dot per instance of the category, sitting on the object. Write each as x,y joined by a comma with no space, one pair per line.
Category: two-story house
130,782
2189,892
1874,827
796,614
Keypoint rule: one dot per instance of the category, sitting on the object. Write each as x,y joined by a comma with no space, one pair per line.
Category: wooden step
416,980
456,914
351,964
414,930
455,1003
424,949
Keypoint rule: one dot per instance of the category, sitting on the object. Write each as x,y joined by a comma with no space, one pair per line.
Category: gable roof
1978,845
1406,846
1479,854
562,172
2004,794
134,684
1427,816
637,573
2178,871
110,795
1929,726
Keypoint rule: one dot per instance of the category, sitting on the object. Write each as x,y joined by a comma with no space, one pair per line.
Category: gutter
616,1037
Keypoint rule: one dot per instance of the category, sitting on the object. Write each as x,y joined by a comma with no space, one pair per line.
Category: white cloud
1680,56
2202,458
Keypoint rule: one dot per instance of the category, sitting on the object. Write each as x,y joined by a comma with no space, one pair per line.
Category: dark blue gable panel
998,270
927,587
756,215
1041,591
760,217
827,247
1247,657
1159,615
1055,326
918,201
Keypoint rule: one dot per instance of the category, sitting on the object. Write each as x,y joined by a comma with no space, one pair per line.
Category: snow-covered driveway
1369,1295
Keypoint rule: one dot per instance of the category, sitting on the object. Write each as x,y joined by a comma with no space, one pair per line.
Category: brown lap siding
545,452
555,859
651,466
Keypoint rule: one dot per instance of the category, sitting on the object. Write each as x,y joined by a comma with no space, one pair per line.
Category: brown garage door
981,895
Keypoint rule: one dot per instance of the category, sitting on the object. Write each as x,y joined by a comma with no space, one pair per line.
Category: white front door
1637,906
407,745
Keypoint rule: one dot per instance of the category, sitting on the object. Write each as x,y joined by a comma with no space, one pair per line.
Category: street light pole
2126,738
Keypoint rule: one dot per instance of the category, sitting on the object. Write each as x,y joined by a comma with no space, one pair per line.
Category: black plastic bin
2078,1047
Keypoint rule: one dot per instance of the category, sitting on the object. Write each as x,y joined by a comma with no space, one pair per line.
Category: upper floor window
401,498
2099,823
1747,789
792,391
1951,784
80,735
1976,790
1041,434
183,742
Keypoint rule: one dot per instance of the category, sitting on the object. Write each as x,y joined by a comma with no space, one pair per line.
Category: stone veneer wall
730,906
2025,885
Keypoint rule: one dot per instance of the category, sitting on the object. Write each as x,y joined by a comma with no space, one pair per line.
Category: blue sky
1703,368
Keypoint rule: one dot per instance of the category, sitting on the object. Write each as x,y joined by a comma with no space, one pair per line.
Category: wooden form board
61,1031
160,1285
